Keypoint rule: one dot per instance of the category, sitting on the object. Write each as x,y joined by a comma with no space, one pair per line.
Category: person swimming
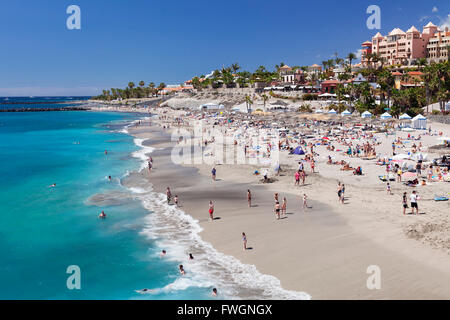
214,292
163,253
102,215
182,272
52,185
109,178
191,257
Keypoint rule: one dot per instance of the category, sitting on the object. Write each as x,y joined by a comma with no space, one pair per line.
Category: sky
172,41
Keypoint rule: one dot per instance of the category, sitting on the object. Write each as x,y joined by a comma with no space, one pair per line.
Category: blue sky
171,41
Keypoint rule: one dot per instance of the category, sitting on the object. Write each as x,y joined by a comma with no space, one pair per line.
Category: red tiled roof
415,73
330,82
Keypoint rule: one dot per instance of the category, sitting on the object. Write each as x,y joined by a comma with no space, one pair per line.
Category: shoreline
337,240
180,233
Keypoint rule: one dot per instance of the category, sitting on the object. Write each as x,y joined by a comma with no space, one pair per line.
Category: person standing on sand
297,178
413,197
277,210
244,240
303,175
175,199
388,189
405,203
275,196
213,173
430,173
211,210
169,195
249,198
283,206
399,175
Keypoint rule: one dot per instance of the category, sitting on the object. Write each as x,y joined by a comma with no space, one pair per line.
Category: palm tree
131,85
235,67
248,102
141,83
421,62
350,57
265,98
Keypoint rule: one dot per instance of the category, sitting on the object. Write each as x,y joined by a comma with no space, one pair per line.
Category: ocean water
38,102
44,230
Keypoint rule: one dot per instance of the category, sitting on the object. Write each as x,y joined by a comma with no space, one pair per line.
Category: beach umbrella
332,111
346,113
366,114
385,116
400,156
405,116
409,175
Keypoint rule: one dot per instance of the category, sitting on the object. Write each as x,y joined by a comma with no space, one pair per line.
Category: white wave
142,153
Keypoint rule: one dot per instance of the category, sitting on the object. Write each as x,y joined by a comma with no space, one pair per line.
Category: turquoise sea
43,230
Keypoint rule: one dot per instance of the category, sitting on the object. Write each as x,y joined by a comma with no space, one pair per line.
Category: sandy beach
326,249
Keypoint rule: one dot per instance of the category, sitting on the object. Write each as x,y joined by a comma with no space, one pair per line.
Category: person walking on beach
175,199
399,175
277,210
169,195
213,173
304,202
297,178
283,206
244,240
413,197
150,165
211,210
388,189
405,203
339,192
249,198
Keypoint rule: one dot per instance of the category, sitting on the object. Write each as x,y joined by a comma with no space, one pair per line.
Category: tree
235,67
141,84
265,98
248,102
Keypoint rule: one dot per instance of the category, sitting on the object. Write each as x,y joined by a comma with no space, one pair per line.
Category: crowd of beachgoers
372,173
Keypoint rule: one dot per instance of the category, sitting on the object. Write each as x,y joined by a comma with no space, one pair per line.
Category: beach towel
440,199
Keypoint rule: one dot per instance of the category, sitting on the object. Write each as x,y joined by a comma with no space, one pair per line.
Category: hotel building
399,47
